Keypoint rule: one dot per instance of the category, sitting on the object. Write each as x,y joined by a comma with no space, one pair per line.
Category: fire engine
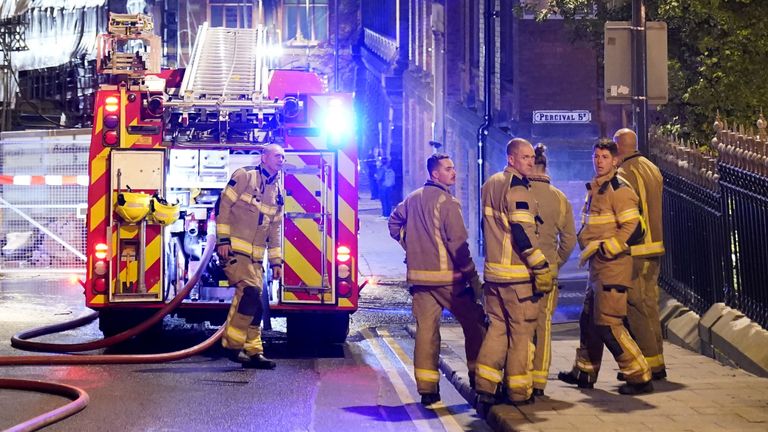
163,146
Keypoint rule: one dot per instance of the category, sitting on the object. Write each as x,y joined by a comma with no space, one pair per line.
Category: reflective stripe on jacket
509,227
430,227
249,214
646,180
557,232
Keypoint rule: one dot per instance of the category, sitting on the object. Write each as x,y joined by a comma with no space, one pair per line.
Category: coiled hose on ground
78,396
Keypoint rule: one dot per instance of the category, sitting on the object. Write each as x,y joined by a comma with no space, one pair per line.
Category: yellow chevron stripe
347,168
345,303
99,299
347,215
307,272
99,165
153,251
99,125
98,212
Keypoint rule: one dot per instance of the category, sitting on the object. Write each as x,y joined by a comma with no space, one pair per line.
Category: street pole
484,129
639,76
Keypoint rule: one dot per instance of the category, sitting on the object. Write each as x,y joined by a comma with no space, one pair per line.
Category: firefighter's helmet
161,212
132,207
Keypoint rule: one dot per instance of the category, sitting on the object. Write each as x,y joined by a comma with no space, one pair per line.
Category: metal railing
716,220
43,200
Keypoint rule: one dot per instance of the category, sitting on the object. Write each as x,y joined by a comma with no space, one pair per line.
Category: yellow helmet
132,207
161,212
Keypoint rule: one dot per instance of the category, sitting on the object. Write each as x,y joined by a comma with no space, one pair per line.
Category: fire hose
78,396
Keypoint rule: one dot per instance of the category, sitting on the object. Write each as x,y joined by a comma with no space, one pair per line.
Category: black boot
636,389
258,361
582,381
656,376
484,403
428,399
538,392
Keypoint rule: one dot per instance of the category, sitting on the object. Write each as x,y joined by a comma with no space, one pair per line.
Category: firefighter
643,300
430,227
557,238
610,224
516,273
248,218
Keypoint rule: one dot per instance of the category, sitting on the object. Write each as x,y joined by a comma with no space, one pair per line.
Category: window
305,22
230,13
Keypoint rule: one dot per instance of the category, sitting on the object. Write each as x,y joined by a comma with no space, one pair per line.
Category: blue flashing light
339,122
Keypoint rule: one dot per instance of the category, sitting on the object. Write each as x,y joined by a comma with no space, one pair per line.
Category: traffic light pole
639,76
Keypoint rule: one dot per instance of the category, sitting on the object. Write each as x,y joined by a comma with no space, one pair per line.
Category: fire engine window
230,14
306,22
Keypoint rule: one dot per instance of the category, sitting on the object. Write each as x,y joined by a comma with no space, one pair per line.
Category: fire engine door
308,228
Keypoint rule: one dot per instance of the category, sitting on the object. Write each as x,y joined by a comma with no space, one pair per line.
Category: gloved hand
588,251
544,281
611,248
477,286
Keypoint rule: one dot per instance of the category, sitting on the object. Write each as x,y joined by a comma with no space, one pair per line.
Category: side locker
137,245
309,228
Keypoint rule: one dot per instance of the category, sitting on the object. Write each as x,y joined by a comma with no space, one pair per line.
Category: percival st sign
579,116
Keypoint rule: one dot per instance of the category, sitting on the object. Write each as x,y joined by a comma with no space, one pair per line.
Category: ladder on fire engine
227,64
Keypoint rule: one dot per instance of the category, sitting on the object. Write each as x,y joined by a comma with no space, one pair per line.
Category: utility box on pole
618,62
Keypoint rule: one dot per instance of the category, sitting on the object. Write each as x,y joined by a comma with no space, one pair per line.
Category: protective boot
257,361
428,399
636,389
529,401
656,376
538,392
581,381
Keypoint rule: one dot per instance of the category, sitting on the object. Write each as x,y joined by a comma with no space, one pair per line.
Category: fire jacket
249,214
647,182
557,233
430,227
510,216
610,218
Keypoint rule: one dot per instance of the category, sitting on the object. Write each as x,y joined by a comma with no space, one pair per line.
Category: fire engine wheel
114,322
318,328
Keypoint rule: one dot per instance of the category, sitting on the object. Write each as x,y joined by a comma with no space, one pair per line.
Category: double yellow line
410,404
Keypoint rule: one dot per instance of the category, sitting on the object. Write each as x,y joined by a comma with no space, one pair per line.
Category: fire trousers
643,311
602,324
428,305
507,347
243,327
542,357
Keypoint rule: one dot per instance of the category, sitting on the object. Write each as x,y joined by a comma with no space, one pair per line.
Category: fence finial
718,125
761,124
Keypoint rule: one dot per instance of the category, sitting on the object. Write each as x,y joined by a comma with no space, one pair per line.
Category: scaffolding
11,39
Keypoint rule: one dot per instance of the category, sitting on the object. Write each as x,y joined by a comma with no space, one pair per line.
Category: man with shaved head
248,218
516,274
643,301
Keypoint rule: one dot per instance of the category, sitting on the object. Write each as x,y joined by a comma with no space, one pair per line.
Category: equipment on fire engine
161,212
132,207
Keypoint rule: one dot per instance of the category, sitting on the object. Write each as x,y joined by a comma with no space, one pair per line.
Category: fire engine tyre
318,328
114,322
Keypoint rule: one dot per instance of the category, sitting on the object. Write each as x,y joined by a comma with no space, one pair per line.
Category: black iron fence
716,221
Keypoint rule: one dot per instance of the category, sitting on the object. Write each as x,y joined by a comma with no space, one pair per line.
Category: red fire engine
164,144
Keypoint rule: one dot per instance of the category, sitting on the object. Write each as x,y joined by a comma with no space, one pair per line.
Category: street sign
556,116
618,62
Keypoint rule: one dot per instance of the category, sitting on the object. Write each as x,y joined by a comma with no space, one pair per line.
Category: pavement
699,395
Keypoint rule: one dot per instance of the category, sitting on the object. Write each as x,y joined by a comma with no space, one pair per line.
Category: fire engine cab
163,147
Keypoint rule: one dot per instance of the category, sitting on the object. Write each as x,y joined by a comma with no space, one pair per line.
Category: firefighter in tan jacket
248,218
643,301
610,222
429,226
515,272
557,238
